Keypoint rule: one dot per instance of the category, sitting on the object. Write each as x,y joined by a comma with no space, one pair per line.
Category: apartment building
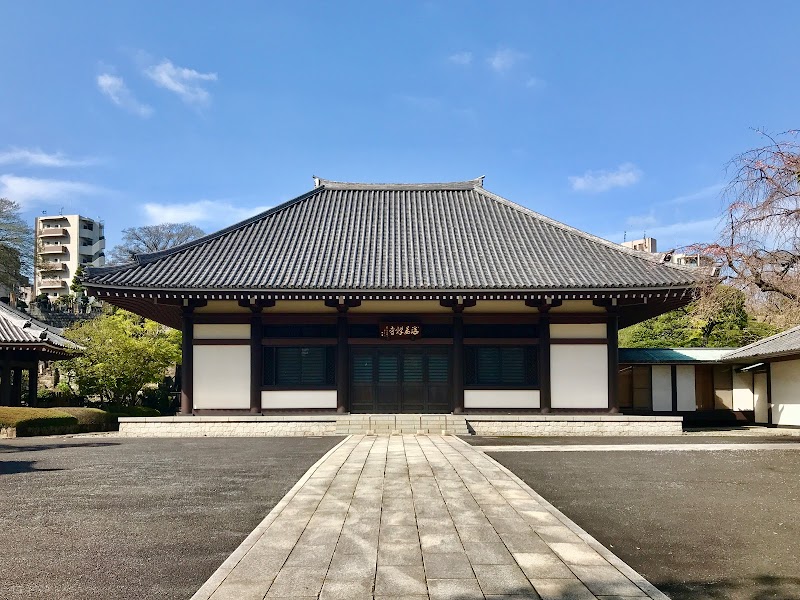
692,259
63,243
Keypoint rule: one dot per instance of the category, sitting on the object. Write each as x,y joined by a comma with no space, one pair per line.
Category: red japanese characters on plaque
400,331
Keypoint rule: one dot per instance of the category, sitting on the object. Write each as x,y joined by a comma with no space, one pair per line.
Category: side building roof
781,344
20,331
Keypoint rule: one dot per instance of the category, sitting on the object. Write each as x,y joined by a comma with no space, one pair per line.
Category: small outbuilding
24,342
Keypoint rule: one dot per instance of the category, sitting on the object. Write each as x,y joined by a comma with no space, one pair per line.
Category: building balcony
51,284
52,231
52,249
55,265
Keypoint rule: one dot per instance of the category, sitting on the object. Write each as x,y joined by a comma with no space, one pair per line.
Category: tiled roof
376,237
671,355
19,330
780,344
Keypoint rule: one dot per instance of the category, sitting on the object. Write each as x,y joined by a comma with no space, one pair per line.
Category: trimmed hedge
118,410
90,419
29,421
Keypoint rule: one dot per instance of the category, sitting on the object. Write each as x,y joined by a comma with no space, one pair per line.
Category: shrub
29,421
90,419
120,410
59,397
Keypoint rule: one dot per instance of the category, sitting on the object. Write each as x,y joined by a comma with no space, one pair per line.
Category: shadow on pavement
9,448
12,467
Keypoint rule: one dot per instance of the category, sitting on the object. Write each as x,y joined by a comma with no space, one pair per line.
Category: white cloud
642,221
115,89
505,59
186,83
30,189
460,58
38,158
706,192
203,211
600,181
535,83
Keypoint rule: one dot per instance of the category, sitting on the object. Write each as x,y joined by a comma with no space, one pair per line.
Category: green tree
124,353
718,319
16,244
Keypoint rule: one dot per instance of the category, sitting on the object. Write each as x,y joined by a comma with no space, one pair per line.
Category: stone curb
212,583
642,583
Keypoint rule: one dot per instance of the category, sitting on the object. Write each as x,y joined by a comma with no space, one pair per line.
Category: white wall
760,398
577,330
222,376
579,375
662,387
221,331
785,388
291,399
501,399
743,391
685,386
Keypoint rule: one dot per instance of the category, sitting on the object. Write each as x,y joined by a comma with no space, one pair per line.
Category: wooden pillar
545,393
16,386
674,383
256,360
187,363
5,384
612,333
33,384
458,361
342,365
770,421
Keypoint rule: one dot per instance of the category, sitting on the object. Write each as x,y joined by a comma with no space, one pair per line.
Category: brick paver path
419,517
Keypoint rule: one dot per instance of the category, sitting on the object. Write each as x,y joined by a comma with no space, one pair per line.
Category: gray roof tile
20,329
780,344
451,236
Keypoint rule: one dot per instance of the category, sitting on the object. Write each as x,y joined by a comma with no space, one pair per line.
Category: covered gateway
388,298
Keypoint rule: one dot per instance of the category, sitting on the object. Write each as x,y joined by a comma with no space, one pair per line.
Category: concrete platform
335,424
419,517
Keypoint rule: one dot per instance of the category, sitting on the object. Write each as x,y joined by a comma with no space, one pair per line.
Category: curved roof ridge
469,184
654,257
148,257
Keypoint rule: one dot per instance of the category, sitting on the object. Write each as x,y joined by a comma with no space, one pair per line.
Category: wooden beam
342,364
187,362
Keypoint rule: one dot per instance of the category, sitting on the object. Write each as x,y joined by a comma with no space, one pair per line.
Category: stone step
401,423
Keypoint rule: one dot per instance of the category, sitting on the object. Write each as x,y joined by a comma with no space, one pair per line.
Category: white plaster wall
577,330
578,306
222,331
743,391
785,390
685,385
222,306
501,399
579,376
222,376
291,399
662,387
760,398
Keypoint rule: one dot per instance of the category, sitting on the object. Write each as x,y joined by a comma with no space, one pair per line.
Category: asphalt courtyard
106,517
710,524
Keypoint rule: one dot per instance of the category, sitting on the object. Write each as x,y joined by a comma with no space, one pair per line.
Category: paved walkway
419,517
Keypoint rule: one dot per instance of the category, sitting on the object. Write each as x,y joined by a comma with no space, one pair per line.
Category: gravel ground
698,525
103,517
625,440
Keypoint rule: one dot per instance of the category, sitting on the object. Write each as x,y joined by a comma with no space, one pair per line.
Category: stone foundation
225,426
317,425
574,425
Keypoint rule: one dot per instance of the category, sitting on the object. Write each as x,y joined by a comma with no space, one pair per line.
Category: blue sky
609,116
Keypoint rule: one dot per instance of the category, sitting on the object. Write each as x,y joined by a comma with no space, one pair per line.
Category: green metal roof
671,355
